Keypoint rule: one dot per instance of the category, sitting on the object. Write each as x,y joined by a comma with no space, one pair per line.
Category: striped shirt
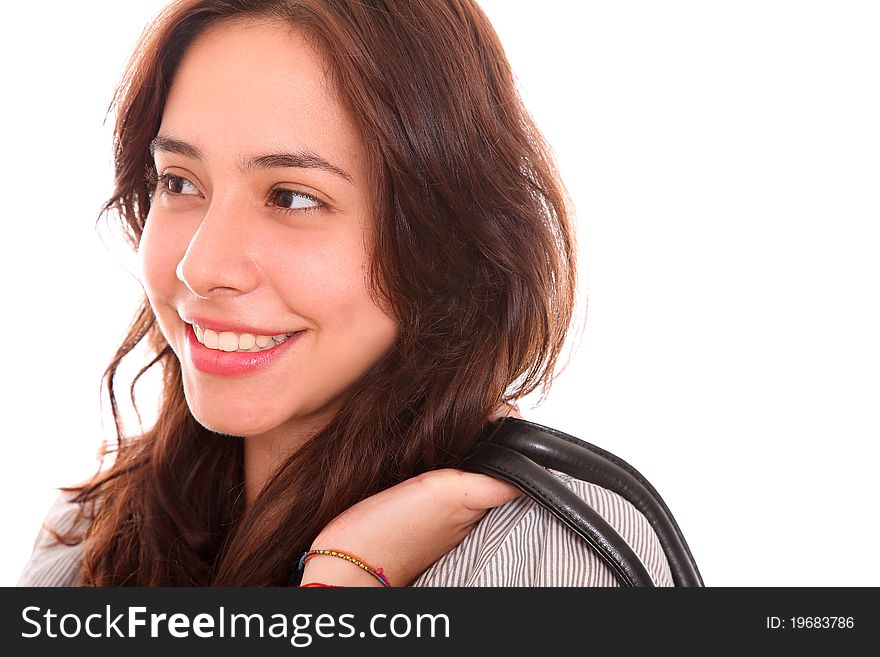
517,544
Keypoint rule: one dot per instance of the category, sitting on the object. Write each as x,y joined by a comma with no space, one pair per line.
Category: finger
485,492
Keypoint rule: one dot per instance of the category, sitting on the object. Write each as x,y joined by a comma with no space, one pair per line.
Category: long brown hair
474,253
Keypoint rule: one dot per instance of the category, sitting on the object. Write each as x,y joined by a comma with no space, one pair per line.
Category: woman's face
260,227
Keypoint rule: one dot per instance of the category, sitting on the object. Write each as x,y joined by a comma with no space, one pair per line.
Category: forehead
245,86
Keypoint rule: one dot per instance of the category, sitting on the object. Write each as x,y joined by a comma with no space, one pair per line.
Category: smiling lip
235,328
232,363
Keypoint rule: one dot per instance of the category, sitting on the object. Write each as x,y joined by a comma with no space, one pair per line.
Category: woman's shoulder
52,563
523,544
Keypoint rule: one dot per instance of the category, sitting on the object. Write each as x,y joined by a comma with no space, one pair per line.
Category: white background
723,159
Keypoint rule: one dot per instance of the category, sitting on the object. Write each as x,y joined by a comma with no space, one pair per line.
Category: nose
217,261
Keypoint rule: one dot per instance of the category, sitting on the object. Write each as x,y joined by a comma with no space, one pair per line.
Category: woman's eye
287,199
176,185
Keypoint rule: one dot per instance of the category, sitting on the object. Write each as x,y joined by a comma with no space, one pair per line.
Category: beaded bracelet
360,563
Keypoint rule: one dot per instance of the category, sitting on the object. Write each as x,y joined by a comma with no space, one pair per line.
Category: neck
264,453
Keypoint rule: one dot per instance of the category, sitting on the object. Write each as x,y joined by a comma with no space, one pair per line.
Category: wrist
338,572
336,566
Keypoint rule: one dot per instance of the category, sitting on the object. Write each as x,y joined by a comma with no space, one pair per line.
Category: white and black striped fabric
53,564
517,544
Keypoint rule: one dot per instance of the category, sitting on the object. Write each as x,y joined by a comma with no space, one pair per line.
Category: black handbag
517,451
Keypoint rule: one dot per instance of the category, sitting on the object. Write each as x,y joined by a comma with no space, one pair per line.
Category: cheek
319,274
159,252
329,285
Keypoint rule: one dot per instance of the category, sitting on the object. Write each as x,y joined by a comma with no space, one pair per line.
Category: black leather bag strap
546,489
535,446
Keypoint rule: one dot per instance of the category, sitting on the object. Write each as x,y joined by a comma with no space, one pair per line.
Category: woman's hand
406,528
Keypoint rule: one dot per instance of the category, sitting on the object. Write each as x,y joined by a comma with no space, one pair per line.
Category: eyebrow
302,159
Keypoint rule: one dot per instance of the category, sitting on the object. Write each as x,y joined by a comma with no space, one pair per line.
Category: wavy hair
474,253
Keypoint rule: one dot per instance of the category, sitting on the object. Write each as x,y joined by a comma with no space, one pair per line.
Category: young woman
355,251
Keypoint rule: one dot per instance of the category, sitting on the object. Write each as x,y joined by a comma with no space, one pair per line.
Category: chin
230,427
256,417
225,428
234,422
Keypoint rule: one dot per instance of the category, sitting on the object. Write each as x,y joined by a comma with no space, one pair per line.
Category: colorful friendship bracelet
321,585
360,563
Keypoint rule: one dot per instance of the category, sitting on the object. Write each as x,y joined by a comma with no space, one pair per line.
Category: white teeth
229,341
212,340
246,341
